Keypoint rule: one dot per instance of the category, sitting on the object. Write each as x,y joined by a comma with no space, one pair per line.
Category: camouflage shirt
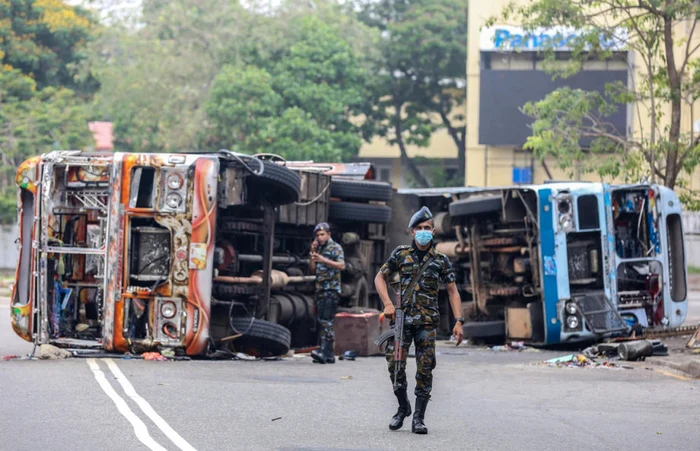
423,305
327,278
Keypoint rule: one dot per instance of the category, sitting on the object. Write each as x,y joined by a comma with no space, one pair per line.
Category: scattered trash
512,346
244,356
153,356
349,355
51,352
9,357
579,361
168,353
278,418
627,350
345,377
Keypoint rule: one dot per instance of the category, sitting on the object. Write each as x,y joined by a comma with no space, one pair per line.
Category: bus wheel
277,185
350,211
260,338
472,206
361,190
484,329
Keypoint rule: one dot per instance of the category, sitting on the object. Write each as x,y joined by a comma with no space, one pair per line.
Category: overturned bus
204,253
564,262
134,252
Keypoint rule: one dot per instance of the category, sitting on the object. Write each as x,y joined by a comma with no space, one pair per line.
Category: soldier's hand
389,311
457,333
314,246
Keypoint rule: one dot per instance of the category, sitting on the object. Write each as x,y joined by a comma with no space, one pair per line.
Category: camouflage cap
421,215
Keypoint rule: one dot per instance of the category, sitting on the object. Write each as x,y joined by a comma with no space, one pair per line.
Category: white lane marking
140,428
147,409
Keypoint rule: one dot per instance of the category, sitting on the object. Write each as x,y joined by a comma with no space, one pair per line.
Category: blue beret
322,226
421,215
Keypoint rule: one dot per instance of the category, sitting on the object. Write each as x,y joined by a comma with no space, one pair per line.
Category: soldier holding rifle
421,269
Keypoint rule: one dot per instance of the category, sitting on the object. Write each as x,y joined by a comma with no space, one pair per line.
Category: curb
690,367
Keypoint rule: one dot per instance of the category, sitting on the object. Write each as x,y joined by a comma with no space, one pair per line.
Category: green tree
42,100
420,77
32,122
45,39
666,84
202,75
299,104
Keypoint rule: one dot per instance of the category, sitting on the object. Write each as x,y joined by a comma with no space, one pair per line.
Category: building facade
501,79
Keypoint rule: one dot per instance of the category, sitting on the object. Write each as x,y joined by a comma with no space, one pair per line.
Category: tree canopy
421,74
663,37
43,101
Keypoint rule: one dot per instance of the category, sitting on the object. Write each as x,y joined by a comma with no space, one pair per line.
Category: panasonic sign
508,38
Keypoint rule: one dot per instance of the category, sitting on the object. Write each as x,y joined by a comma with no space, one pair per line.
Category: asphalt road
482,400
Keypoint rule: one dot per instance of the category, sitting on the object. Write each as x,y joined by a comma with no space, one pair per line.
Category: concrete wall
8,248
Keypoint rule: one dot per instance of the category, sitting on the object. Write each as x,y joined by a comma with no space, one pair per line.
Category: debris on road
51,352
153,356
580,361
513,346
694,341
349,355
628,350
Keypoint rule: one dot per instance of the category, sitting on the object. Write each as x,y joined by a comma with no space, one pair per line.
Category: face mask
424,237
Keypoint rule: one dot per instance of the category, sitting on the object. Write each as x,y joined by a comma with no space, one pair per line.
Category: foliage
42,101
662,34
420,78
189,77
298,105
44,39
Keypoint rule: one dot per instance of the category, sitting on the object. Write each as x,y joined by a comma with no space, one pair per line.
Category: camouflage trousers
424,340
326,306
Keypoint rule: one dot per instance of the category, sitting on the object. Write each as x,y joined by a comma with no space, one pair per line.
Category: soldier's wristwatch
461,320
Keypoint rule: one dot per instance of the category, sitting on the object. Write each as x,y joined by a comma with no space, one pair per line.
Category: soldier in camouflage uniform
326,261
421,314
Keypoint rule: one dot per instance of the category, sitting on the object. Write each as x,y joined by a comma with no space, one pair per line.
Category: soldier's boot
325,353
404,409
418,415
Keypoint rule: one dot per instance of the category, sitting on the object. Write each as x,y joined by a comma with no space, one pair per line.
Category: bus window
676,258
587,207
142,184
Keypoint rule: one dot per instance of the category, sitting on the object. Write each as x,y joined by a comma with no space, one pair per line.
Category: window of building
385,174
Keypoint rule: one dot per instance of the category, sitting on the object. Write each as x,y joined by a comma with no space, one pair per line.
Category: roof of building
102,131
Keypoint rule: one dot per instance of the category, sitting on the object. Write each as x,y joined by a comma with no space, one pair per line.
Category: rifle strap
411,288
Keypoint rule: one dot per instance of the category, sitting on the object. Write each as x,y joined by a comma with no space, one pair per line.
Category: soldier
421,314
326,261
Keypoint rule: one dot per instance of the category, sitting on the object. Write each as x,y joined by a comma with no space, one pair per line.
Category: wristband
461,320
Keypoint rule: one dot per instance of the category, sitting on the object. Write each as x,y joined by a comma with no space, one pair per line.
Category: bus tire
260,338
277,185
351,211
484,329
361,190
473,206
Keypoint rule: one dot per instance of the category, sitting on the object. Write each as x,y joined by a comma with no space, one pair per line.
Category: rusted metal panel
518,323
312,207
357,331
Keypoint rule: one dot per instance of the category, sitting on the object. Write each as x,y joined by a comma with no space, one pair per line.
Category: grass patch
693,269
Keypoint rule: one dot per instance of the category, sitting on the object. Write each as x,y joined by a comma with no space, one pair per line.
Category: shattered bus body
563,262
205,253
194,252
